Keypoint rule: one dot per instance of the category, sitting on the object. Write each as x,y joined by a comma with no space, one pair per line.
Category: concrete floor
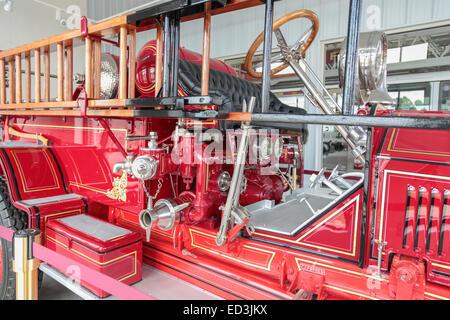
155,283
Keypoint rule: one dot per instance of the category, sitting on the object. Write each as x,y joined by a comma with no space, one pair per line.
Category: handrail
38,137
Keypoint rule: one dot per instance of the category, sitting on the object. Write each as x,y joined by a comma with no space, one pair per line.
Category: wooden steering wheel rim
277,24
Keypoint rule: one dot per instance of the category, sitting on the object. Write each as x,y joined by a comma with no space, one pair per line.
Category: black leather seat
233,90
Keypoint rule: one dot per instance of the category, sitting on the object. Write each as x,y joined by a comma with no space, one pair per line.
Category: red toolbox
112,250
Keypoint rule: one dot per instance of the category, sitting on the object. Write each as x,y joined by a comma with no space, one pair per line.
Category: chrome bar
323,105
237,178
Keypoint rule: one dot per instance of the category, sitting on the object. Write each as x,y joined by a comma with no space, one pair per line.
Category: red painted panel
91,174
36,173
409,196
340,228
430,145
336,233
87,154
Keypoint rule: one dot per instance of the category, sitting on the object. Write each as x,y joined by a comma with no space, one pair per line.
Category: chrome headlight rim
109,77
372,64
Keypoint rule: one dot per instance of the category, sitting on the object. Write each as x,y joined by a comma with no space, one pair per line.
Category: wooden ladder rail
68,71
16,95
64,44
2,81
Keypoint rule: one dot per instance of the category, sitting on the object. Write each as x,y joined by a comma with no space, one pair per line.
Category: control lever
335,177
232,203
309,205
320,178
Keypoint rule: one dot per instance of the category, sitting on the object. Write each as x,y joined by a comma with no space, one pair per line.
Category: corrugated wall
234,32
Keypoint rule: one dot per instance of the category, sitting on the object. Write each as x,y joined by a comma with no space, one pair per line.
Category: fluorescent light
8,6
393,55
414,53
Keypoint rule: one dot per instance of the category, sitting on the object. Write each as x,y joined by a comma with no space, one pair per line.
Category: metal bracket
82,102
178,102
380,245
84,27
186,7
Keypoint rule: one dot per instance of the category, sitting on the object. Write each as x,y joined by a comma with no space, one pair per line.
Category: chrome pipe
323,105
267,49
165,214
237,178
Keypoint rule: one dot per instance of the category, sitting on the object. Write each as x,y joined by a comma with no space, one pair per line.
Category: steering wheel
299,47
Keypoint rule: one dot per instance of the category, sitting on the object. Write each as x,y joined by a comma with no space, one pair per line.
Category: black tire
14,219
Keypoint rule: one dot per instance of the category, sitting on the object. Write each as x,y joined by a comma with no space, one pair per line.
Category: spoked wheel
14,219
297,50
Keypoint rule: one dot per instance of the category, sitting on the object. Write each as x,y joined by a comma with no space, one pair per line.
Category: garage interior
418,73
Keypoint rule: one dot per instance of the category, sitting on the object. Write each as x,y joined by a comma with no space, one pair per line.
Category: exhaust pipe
165,214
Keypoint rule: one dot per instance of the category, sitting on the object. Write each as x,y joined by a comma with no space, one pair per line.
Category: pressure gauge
144,167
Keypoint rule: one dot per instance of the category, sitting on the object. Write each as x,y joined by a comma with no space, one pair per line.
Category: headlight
372,57
109,76
144,167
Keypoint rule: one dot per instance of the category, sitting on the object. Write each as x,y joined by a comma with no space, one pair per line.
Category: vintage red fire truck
163,156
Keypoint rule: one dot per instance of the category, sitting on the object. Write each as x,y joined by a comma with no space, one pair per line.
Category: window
292,101
444,96
411,96
408,53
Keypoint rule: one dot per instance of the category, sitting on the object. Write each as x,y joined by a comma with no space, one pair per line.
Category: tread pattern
14,219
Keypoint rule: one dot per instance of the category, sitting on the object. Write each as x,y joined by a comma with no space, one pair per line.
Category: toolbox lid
94,227
97,234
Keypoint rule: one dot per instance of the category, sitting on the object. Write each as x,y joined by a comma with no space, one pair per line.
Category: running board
67,282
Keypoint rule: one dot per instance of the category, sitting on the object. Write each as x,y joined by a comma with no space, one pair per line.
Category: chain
244,185
160,184
149,196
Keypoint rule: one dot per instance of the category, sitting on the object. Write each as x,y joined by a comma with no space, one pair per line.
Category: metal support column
265,99
167,56
351,60
175,53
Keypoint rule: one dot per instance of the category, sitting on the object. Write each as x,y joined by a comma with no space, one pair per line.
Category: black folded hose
233,91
